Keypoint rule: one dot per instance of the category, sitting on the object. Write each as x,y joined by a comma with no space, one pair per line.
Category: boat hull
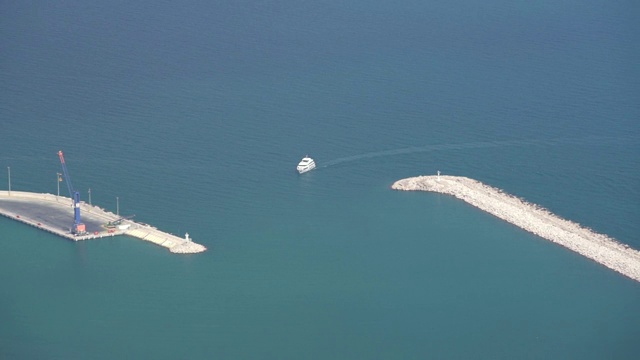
304,169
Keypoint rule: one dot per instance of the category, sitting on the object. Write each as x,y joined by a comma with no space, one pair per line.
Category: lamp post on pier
58,180
117,206
89,196
9,171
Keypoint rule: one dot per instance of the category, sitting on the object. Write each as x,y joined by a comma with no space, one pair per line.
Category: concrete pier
533,218
54,214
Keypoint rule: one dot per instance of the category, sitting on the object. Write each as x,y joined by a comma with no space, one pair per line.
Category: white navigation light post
89,196
117,206
9,171
438,175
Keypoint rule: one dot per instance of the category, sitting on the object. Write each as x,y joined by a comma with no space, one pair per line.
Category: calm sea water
195,114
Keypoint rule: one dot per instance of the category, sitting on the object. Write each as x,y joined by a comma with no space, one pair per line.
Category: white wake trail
591,140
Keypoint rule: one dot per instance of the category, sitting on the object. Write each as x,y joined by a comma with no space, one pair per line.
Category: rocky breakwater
187,247
532,218
172,242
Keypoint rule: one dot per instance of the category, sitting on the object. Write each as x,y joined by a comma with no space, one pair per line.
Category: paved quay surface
54,214
533,218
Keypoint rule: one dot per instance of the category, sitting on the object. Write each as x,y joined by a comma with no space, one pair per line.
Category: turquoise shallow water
195,117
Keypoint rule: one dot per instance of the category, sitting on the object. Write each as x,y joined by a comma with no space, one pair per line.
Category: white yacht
306,164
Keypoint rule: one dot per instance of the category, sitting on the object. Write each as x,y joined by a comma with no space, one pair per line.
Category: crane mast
78,227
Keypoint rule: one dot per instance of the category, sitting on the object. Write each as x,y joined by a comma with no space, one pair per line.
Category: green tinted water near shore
196,116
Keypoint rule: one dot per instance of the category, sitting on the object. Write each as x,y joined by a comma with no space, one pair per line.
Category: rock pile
532,218
187,247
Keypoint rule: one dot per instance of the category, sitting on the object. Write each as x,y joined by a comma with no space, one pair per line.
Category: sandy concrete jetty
532,218
55,214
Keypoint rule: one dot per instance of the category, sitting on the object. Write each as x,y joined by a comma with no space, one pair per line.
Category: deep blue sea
194,115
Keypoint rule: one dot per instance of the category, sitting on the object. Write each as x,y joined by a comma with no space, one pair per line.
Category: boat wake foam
590,140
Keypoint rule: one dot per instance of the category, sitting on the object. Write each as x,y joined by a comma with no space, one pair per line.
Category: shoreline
532,218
